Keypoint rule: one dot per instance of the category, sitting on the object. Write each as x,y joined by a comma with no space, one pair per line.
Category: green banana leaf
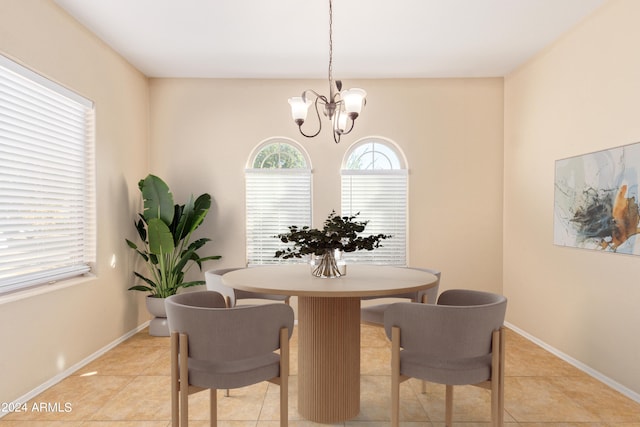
160,238
158,200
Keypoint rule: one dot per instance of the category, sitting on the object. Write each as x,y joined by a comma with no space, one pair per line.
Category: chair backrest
226,334
432,293
459,326
213,282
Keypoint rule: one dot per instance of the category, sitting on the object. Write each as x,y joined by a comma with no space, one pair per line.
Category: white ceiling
290,38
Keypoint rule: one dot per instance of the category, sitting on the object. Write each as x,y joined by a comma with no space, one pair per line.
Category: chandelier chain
330,41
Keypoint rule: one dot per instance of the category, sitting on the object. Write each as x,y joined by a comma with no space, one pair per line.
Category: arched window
374,183
278,194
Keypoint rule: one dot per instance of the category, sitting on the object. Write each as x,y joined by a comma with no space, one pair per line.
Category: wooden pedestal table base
329,358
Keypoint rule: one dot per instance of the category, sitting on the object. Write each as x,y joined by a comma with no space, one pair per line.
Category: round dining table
329,326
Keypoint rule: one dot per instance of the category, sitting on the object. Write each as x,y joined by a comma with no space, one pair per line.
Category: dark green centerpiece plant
339,234
165,230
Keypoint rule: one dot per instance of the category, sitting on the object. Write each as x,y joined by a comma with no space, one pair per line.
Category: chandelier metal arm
336,137
318,97
331,104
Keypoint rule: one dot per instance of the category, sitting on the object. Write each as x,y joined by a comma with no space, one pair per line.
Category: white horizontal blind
381,198
47,197
275,199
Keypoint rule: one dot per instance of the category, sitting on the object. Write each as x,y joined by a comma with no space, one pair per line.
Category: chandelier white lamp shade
299,109
354,101
342,107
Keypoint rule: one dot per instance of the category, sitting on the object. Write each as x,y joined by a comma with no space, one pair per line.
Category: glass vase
328,265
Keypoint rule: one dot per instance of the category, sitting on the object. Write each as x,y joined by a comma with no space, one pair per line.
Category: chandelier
342,107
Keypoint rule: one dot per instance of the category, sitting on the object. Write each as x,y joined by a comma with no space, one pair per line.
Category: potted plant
165,230
325,246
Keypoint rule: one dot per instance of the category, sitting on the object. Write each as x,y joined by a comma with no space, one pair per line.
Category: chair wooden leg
284,377
423,386
228,304
175,381
494,408
502,351
213,407
495,376
395,377
448,406
184,380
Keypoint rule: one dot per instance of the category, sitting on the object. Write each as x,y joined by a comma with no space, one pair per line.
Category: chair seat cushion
235,373
451,372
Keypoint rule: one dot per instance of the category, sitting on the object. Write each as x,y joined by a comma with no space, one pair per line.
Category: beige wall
579,96
450,130
47,333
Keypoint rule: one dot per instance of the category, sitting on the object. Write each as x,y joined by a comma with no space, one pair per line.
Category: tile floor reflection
129,386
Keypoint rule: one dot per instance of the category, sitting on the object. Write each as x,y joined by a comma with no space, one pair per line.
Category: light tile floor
129,386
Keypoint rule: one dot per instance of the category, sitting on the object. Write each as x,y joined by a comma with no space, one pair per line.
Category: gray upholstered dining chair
374,314
213,282
214,347
459,340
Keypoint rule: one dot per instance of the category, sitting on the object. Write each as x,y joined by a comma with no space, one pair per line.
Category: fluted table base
329,358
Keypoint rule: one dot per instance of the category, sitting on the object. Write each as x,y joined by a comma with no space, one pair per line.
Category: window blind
275,199
47,197
381,198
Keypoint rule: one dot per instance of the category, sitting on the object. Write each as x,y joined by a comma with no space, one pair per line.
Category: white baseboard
576,363
69,371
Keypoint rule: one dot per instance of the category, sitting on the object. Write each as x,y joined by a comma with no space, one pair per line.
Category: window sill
33,291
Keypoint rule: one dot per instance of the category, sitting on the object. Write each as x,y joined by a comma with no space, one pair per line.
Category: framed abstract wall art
596,200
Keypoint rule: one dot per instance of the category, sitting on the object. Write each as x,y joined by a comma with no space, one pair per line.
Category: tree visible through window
278,194
374,183
279,155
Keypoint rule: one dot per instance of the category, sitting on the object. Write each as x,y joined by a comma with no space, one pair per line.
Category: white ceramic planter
158,327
